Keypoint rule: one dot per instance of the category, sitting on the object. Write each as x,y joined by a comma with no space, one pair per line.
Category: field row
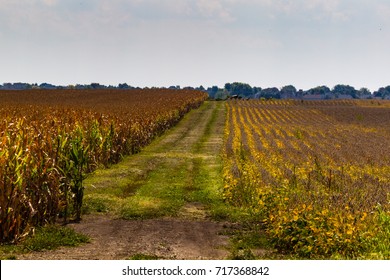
318,173
50,140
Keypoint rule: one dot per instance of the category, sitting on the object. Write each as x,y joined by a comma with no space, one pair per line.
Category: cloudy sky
196,42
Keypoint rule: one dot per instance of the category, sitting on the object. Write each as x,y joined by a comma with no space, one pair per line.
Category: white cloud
181,7
214,8
315,9
231,39
50,2
383,11
328,9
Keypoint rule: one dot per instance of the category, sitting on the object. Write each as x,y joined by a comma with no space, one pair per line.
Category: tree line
243,90
239,90
28,86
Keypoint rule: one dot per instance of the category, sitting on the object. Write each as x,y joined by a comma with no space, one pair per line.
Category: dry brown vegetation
319,173
50,140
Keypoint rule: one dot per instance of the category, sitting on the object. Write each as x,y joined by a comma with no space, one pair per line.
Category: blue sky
196,42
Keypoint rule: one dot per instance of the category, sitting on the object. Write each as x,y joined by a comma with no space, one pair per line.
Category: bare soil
164,238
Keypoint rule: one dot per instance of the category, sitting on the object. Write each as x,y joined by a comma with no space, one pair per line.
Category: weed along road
162,203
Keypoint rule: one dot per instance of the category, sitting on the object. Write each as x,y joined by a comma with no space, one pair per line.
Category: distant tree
123,86
382,92
228,87
256,90
7,85
20,86
96,86
221,94
272,92
240,89
79,86
300,93
47,86
345,90
363,92
320,90
214,88
288,91
386,93
212,91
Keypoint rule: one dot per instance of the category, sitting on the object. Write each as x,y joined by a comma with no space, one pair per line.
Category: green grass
378,246
49,237
165,176
173,171
181,167
53,237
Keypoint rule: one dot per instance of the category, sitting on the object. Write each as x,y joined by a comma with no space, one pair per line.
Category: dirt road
160,202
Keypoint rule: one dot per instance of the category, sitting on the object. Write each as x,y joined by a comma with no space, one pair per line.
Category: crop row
50,140
319,174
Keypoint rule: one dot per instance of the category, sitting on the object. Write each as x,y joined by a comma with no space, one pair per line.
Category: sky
266,43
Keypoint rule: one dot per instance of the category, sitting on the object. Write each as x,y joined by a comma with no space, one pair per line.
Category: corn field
318,172
50,141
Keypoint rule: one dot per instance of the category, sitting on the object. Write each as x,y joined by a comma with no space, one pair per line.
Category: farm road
160,202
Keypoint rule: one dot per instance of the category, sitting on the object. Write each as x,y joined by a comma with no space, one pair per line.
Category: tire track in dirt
190,148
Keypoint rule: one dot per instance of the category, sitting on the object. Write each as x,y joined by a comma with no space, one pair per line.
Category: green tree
363,92
272,92
228,87
212,91
321,90
345,90
382,92
288,91
241,89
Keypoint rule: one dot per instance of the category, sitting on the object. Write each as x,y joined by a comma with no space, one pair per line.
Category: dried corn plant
50,140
